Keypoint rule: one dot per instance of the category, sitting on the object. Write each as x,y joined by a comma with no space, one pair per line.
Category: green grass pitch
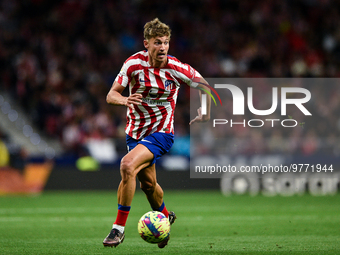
208,223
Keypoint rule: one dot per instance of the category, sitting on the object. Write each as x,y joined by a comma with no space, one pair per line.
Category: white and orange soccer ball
154,227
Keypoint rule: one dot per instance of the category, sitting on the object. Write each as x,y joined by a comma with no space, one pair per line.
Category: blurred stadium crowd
59,59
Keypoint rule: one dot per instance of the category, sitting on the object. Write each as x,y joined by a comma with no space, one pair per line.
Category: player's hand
134,99
199,117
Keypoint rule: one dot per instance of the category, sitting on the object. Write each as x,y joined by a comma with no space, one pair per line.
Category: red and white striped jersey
159,88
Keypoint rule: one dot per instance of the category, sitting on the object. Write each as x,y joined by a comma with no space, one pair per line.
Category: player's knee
126,169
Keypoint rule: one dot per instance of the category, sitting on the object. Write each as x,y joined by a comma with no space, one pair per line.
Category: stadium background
58,60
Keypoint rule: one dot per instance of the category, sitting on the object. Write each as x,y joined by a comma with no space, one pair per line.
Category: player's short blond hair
156,28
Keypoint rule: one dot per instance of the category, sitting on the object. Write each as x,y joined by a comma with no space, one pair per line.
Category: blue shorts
157,143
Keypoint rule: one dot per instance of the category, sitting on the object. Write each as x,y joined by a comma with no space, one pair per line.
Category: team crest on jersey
169,85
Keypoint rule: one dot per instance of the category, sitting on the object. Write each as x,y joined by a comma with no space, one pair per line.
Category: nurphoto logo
239,105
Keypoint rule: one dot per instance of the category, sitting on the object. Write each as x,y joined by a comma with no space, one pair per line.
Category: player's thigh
137,159
147,177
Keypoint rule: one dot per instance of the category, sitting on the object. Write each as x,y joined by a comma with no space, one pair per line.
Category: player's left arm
200,117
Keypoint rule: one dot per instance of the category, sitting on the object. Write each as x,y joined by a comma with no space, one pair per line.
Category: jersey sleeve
190,76
195,77
123,78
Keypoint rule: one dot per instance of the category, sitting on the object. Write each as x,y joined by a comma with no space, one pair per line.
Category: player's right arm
115,96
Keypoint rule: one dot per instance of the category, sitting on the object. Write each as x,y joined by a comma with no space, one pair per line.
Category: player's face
158,49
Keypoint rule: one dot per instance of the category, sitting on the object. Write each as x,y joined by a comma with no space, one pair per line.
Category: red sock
163,210
122,215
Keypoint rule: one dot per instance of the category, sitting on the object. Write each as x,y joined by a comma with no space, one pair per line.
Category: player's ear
146,44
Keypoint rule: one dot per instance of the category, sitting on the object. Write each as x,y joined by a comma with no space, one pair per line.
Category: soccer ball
154,227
